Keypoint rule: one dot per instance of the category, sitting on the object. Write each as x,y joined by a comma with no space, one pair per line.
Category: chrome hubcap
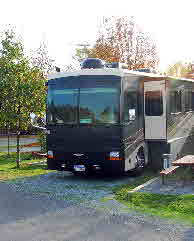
140,159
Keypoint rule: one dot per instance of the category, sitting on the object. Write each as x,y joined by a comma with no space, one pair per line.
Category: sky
64,23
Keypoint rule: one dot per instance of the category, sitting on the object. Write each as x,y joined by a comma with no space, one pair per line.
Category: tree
179,69
81,53
40,59
22,86
69,68
120,40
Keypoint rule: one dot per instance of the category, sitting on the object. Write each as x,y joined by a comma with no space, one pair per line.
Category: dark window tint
62,105
99,105
130,106
188,100
192,100
85,99
153,103
175,101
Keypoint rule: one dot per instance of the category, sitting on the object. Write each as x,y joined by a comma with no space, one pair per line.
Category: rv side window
153,103
130,106
188,100
192,100
175,101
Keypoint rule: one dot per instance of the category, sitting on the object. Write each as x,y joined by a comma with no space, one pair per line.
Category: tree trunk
18,140
8,143
18,149
18,135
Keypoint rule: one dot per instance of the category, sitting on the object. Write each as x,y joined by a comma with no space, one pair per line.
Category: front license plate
79,168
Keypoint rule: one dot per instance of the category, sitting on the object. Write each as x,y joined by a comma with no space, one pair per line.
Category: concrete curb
136,189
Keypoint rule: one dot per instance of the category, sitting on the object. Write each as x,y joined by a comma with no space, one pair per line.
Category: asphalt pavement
27,217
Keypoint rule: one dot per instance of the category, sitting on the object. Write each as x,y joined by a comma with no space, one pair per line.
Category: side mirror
36,120
32,116
132,114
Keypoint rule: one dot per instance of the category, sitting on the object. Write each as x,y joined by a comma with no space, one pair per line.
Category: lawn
180,207
8,170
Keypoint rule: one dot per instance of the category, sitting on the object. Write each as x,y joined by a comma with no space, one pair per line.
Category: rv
115,120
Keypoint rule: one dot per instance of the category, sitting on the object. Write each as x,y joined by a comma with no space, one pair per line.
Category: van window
153,103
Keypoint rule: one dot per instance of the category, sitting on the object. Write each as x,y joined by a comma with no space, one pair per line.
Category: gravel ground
58,207
68,187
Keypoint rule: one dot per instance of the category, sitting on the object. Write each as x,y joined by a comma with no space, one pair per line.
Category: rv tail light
114,155
50,154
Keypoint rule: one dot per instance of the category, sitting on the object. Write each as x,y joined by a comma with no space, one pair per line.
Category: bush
42,141
182,207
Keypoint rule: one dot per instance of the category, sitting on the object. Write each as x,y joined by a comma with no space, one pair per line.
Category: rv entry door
155,110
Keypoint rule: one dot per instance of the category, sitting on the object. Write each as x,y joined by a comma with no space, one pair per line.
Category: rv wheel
140,164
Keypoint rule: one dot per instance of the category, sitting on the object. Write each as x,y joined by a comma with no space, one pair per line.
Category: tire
140,165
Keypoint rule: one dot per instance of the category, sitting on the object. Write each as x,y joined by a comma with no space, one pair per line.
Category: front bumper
95,162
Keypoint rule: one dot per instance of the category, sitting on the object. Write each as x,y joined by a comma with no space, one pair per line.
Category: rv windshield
62,105
83,105
98,105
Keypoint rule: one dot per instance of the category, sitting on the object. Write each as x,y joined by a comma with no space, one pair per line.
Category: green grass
9,171
138,181
180,207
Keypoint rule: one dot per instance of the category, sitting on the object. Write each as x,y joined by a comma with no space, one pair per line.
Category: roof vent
92,63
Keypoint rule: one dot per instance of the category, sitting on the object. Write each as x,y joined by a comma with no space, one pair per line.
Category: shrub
42,141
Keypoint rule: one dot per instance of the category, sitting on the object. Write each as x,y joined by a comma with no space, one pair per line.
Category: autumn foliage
120,40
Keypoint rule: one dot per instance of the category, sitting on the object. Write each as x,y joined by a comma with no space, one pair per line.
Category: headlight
114,154
50,154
